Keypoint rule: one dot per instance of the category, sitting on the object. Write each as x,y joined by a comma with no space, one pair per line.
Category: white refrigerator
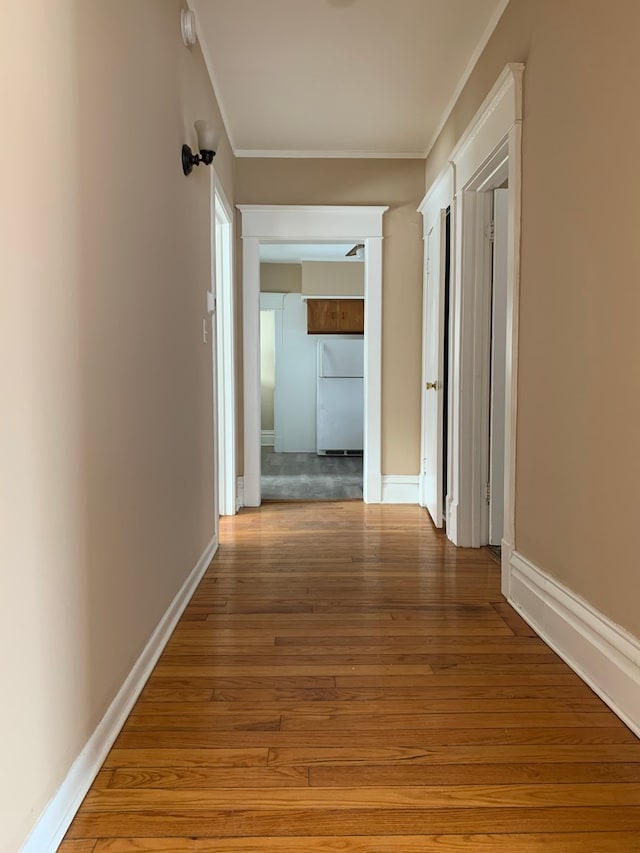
340,401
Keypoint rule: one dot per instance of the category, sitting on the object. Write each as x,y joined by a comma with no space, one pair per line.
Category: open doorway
273,224
311,371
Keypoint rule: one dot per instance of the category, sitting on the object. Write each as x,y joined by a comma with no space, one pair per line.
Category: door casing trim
488,152
313,223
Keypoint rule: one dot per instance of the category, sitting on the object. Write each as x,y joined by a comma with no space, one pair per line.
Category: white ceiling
340,77
295,253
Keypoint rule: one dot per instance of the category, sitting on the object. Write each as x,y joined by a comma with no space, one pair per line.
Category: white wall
267,368
296,360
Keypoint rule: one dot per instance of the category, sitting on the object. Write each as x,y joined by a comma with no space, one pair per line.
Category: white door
224,360
498,362
432,379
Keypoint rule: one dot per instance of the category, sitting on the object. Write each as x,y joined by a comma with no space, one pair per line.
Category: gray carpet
307,476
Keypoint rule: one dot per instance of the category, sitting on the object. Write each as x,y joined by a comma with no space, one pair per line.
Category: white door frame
488,153
224,384
312,224
496,288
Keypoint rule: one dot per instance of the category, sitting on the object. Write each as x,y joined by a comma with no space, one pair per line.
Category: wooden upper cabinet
335,316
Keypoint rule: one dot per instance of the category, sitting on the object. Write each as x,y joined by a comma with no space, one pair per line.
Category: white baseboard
506,553
267,438
57,816
400,489
451,519
602,653
239,493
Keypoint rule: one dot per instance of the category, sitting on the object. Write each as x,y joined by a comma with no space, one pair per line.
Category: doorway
483,330
275,224
311,423
435,472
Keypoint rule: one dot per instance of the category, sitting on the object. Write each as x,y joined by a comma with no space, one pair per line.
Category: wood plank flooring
346,680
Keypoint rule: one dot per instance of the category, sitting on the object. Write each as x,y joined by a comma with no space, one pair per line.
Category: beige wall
106,435
399,184
578,466
280,278
334,278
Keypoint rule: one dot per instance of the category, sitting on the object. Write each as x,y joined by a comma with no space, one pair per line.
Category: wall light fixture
208,138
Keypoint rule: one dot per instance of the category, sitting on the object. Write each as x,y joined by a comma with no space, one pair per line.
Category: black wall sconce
207,143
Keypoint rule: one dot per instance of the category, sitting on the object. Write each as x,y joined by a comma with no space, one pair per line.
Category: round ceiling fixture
188,27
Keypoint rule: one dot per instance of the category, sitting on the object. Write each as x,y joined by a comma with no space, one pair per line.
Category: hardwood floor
346,680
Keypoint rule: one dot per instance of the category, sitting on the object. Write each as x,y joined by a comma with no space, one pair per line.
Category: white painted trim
60,811
372,452
239,493
268,153
275,223
512,351
490,125
492,139
251,369
400,489
316,223
267,438
224,356
602,653
438,198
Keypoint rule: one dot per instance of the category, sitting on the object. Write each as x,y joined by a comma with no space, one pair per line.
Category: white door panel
433,358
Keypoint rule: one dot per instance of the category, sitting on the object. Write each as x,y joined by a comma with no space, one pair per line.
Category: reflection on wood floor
307,476
346,680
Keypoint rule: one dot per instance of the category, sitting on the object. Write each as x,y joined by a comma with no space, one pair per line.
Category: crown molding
212,77
462,82
260,153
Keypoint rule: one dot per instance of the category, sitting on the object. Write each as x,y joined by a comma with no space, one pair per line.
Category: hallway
345,679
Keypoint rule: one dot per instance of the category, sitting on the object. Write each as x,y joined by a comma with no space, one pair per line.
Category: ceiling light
188,27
